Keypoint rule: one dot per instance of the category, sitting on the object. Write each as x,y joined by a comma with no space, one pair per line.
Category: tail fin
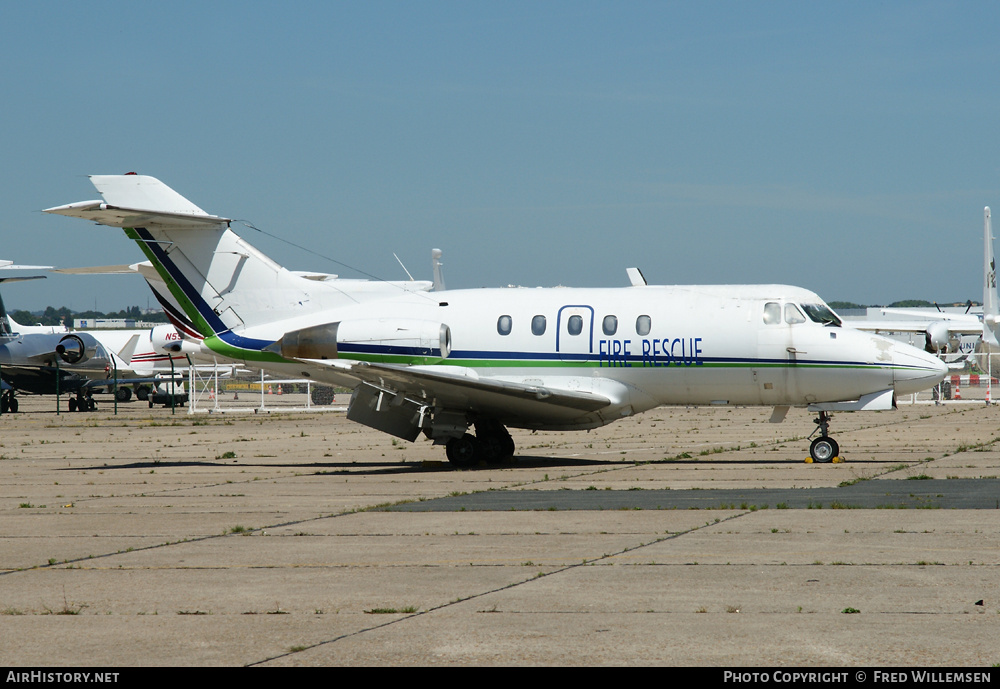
5,328
5,321
991,303
224,285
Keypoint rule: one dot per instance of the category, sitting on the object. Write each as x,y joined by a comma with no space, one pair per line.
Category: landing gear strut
824,448
491,444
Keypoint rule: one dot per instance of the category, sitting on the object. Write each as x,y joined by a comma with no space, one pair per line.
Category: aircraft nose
914,370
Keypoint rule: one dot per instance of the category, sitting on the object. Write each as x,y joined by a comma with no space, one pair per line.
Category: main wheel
495,443
123,394
13,404
824,449
462,451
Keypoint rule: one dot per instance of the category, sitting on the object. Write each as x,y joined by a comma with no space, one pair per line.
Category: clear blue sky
845,147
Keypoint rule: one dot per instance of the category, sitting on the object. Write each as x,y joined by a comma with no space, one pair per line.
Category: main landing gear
491,444
82,402
8,403
823,449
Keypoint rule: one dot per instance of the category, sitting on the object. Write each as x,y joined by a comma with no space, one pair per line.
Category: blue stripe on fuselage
211,317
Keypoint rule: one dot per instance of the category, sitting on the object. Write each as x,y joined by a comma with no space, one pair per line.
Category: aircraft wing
123,382
957,327
463,384
34,358
460,389
38,359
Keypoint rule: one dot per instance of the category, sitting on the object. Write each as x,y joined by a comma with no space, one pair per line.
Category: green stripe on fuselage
217,345
189,308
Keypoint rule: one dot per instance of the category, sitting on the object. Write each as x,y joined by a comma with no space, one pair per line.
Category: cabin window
772,313
575,325
504,324
610,325
643,324
538,325
793,315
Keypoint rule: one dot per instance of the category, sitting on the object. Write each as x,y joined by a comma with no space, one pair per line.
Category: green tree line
904,304
54,316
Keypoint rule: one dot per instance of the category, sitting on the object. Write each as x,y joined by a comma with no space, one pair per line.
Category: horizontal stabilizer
123,216
97,270
10,265
138,201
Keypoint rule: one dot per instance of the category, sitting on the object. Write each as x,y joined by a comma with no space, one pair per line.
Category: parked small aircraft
47,363
439,363
943,332
49,360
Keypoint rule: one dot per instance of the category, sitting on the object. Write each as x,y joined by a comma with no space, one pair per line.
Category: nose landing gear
823,449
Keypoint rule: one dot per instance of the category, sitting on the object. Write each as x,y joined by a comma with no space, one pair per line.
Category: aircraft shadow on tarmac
366,467
361,467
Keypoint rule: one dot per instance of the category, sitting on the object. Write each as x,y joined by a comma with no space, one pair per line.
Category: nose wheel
823,449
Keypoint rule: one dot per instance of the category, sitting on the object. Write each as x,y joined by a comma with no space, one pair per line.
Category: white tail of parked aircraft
440,363
991,303
944,332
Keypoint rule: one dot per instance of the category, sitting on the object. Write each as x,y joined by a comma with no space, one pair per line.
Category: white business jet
442,362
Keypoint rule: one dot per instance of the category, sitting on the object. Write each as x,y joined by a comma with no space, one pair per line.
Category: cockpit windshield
821,313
